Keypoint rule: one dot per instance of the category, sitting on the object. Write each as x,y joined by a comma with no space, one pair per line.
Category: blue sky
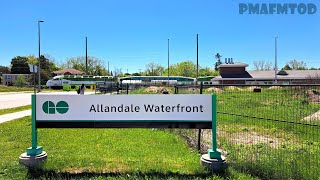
130,34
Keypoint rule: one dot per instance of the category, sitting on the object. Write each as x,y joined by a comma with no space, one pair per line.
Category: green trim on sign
214,153
34,128
34,149
122,121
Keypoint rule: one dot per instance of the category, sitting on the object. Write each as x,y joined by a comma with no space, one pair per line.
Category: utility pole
275,64
87,55
39,67
168,64
197,58
108,69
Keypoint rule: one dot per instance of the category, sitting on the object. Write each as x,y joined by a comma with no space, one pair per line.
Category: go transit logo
50,108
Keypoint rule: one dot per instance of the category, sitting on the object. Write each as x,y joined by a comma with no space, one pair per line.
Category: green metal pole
34,128
34,149
214,153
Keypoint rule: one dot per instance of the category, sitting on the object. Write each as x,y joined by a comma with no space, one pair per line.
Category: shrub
21,81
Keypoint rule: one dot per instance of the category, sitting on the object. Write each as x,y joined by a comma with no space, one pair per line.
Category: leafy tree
47,67
297,65
95,65
287,67
153,69
216,65
4,70
262,65
313,68
185,68
21,81
207,72
136,74
19,65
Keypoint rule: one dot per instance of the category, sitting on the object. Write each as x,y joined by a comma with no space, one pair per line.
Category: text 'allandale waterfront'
146,108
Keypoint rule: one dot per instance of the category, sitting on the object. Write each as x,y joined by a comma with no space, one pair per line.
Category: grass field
14,89
15,109
265,134
103,154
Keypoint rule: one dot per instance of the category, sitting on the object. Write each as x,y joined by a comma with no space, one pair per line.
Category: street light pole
39,68
197,59
168,65
87,55
275,63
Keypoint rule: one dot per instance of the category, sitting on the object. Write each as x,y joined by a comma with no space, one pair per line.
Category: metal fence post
199,132
127,88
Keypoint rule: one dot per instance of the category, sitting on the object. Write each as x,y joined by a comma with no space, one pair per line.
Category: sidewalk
16,115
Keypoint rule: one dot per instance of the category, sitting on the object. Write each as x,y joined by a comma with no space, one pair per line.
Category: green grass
15,109
103,154
14,89
264,133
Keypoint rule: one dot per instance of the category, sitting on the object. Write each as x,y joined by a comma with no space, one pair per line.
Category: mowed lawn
103,153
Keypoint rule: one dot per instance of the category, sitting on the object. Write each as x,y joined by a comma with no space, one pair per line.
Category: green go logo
50,108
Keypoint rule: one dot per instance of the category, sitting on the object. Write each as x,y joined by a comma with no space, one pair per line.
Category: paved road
10,100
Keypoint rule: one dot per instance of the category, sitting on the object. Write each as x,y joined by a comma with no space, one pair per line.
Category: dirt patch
160,90
313,117
251,89
252,138
246,138
313,96
214,90
233,88
275,87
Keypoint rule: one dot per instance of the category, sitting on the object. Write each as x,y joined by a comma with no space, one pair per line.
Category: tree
216,65
95,65
19,65
153,69
136,74
313,68
21,81
4,70
47,67
185,68
206,71
286,67
262,65
297,65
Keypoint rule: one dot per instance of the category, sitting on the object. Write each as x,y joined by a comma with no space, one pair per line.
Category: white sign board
164,108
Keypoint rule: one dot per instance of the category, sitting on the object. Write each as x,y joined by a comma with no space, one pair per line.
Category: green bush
21,81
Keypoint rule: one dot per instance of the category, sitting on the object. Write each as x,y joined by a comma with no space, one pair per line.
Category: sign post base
214,161
34,157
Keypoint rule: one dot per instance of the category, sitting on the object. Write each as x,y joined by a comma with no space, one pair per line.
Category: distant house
235,73
10,79
68,71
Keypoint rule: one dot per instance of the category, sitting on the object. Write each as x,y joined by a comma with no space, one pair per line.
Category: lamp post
168,64
39,69
275,59
197,59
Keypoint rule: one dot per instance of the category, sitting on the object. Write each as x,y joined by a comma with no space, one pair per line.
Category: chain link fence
272,132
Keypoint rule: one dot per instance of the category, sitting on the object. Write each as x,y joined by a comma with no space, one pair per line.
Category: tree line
96,66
